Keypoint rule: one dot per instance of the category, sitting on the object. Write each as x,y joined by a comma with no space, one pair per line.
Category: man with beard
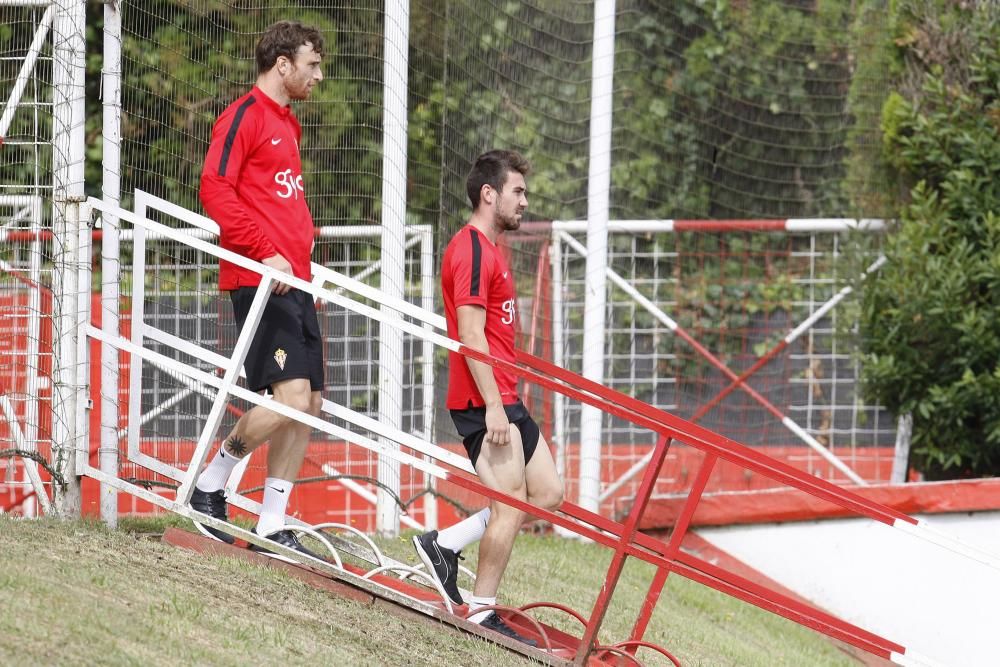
252,187
503,442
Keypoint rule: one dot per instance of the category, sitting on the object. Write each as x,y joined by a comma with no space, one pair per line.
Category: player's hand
497,426
279,263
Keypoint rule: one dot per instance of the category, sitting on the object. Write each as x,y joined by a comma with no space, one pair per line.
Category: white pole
81,260
110,258
64,317
68,68
558,358
69,112
427,353
32,365
558,347
82,267
598,203
138,329
901,452
390,402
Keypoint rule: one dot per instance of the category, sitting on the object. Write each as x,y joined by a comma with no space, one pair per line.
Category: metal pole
82,268
901,453
558,350
33,366
558,347
110,258
598,203
390,403
81,259
68,113
64,317
427,354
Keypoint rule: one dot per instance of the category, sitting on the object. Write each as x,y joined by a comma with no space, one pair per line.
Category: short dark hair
492,168
284,39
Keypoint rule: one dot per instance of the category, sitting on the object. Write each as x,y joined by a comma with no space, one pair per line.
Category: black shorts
287,344
471,425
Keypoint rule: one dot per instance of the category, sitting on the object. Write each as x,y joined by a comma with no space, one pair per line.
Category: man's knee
298,400
506,515
550,497
315,404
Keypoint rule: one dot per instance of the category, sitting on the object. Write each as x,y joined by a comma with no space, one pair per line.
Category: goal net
26,184
720,112
714,118
182,64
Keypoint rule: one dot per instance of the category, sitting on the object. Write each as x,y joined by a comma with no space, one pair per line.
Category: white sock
476,602
217,472
465,532
272,514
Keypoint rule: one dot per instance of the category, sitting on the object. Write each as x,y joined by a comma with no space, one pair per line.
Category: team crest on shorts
280,356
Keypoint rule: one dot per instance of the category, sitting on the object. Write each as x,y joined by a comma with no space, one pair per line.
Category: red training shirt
251,186
474,272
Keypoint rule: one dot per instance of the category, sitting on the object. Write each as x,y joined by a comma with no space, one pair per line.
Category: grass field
75,593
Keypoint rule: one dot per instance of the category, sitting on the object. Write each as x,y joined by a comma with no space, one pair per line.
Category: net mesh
204,59
714,117
727,320
26,182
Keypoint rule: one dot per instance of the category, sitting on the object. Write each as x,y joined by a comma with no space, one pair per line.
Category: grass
77,593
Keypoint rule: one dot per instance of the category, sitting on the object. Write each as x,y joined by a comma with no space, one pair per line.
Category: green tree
930,320
732,109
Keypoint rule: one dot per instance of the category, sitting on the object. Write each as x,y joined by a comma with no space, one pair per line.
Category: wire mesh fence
713,117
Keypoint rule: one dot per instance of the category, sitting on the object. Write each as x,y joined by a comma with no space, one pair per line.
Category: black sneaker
285,538
214,505
494,622
442,563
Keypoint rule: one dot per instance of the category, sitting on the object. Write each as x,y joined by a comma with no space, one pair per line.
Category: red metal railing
667,557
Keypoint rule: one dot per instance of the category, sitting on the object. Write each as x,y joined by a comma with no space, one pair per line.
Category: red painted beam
775,505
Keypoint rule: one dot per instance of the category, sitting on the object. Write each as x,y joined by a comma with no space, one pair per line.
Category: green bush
930,319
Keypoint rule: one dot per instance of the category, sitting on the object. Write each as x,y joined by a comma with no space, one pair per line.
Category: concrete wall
929,599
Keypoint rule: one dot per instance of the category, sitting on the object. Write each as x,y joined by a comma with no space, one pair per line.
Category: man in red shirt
503,442
252,187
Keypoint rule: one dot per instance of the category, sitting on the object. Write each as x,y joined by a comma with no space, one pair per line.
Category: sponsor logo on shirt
509,310
291,185
275,141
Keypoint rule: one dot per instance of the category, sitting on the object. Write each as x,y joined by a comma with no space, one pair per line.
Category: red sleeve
232,140
472,270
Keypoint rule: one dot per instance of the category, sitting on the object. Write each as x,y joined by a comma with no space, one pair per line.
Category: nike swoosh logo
278,490
275,142
440,560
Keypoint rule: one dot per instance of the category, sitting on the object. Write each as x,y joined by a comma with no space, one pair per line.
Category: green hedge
930,320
